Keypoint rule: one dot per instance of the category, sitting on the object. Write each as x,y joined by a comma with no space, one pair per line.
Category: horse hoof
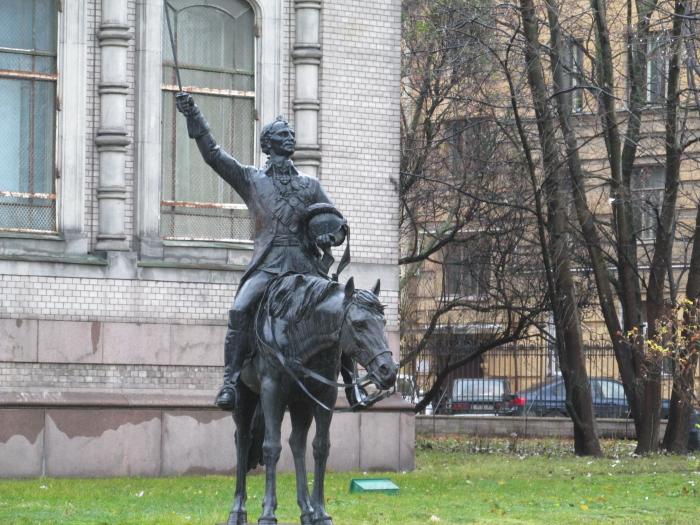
267,521
307,519
237,518
323,520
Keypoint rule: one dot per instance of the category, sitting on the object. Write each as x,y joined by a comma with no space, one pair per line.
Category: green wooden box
383,485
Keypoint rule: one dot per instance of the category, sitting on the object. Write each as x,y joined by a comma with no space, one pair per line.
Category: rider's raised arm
228,168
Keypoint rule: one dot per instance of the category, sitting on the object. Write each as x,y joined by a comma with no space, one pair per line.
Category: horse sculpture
303,325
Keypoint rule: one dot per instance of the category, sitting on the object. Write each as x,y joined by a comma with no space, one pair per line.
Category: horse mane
285,299
368,300
293,299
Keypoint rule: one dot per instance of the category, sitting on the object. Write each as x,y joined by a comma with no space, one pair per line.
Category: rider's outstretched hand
185,103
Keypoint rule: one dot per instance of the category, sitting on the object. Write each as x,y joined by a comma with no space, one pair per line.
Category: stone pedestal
77,434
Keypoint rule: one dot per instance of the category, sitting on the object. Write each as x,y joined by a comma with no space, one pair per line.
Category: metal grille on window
215,46
28,40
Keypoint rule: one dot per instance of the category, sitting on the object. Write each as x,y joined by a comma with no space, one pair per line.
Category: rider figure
277,196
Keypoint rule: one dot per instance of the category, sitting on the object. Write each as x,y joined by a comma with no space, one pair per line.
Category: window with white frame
657,67
466,267
215,44
28,76
647,187
574,71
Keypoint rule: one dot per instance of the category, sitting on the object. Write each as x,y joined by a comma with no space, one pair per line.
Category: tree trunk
676,436
564,303
622,157
648,439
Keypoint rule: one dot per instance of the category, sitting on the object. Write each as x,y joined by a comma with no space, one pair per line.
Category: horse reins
358,384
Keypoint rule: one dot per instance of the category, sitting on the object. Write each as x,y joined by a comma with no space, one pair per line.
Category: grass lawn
455,482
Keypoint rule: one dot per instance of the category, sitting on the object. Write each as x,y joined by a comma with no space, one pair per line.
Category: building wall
151,317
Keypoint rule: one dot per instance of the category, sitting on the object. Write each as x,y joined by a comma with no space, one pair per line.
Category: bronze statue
310,321
291,329
277,197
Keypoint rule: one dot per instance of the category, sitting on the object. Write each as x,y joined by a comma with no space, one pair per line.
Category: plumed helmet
323,218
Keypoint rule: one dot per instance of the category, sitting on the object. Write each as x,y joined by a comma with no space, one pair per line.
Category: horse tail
257,435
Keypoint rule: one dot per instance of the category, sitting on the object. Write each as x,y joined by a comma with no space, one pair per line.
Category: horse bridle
358,385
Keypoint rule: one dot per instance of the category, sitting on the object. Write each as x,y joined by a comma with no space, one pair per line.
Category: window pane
45,26
27,130
224,60
216,51
467,267
16,62
574,71
43,137
647,193
16,20
27,154
10,136
612,391
28,24
657,65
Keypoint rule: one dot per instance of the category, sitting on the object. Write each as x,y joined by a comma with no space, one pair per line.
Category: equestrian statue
291,328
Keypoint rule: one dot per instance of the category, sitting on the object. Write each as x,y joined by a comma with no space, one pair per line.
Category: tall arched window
215,47
28,42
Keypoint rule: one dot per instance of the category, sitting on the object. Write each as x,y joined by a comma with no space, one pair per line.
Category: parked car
694,434
693,424
478,396
548,399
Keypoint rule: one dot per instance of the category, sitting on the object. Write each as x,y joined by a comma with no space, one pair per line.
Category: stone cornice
308,4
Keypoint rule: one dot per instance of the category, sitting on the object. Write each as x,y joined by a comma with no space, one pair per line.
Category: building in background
472,260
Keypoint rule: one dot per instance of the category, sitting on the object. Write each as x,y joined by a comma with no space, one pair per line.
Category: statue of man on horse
280,200
290,326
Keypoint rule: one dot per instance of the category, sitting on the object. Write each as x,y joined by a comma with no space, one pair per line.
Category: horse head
362,335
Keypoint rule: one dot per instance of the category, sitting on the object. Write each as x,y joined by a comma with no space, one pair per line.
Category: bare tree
587,107
464,225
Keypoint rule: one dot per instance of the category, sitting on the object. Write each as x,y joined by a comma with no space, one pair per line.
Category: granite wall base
72,441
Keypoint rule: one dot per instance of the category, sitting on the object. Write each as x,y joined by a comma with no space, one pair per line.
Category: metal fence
518,379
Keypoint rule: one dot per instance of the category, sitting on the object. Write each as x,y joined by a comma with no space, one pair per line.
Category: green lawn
456,482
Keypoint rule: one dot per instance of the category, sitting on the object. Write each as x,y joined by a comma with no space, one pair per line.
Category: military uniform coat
277,210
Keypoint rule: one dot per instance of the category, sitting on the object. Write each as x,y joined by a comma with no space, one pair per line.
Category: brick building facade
104,305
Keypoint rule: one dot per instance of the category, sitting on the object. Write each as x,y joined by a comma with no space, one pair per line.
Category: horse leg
301,421
243,417
273,410
321,446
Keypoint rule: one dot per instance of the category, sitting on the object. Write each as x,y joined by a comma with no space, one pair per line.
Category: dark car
548,399
478,396
694,434
693,424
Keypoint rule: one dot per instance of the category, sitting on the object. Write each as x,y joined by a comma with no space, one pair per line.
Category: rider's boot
235,352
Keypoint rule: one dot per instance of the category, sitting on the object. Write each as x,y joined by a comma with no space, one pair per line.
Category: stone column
112,140
307,62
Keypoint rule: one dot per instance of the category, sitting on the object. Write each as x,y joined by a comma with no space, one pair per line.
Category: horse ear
298,281
349,288
377,288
